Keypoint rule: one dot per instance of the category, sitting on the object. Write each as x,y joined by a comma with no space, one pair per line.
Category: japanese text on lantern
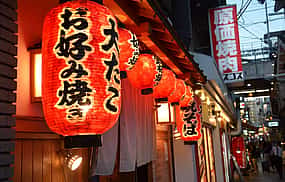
135,46
112,72
225,40
158,75
75,94
191,121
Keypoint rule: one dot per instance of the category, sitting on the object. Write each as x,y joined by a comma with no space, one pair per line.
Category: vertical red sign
225,42
238,150
189,120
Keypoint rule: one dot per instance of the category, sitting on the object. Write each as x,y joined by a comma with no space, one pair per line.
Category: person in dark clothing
277,153
254,156
266,163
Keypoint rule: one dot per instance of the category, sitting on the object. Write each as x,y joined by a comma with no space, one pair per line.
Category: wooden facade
8,85
37,154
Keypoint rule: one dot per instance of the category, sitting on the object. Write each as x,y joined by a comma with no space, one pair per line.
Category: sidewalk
264,177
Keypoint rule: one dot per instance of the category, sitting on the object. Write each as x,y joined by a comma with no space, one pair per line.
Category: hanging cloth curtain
137,134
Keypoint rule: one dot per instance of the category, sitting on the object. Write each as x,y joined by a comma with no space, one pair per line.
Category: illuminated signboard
225,42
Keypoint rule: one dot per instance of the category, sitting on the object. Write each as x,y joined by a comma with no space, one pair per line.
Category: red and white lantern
81,90
129,49
165,86
188,120
146,73
178,91
187,98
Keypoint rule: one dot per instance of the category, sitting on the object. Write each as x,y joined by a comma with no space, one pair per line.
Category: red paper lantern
187,98
81,90
165,86
129,49
188,120
238,150
146,73
178,92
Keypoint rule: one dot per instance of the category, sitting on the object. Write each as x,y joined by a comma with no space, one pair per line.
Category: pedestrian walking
277,158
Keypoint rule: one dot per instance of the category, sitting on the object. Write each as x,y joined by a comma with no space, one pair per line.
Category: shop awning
155,31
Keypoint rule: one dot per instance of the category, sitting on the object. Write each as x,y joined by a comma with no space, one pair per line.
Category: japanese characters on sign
158,74
190,121
225,42
112,72
129,49
81,89
135,46
75,94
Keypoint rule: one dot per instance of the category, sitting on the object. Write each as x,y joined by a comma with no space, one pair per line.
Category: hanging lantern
165,86
178,91
238,150
146,73
81,90
187,98
188,120
129,50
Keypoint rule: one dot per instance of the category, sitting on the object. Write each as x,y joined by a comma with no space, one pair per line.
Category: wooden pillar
8,73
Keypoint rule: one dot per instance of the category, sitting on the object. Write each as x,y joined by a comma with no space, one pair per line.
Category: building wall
163,162
37,149
184,162
8,84
218,154
30,21
38,159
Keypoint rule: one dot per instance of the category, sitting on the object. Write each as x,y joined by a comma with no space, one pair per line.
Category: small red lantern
81,90
129,49
187,98
178,92
165,86
188,120
238,150
146,73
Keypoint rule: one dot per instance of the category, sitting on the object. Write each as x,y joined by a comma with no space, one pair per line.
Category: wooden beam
153,33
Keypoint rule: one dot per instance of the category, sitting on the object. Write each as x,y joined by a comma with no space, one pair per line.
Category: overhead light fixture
208,101
272,83
244,92
265,90
250,91
248,85
74,162
197,92
71,160
203,97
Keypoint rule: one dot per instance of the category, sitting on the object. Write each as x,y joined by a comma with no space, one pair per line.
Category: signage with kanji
225,42
81,75
189,120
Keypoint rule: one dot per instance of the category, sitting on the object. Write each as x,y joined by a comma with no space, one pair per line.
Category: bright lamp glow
38,75
74,162
163,113
203,97
208,101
